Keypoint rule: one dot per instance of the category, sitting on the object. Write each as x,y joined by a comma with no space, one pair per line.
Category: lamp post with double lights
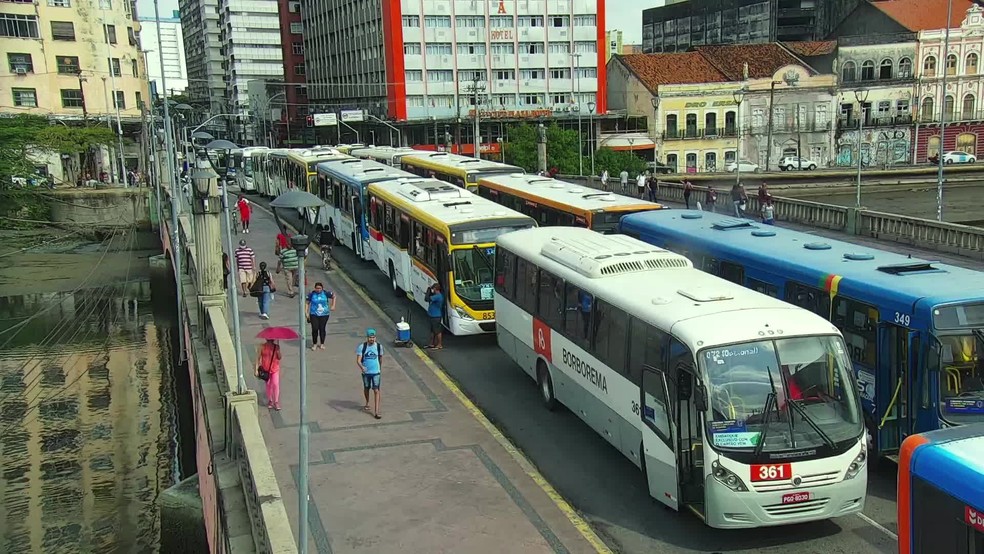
655,102
738,96
591,135
861,95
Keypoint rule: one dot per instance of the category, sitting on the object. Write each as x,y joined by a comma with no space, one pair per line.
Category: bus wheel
546,386
392,272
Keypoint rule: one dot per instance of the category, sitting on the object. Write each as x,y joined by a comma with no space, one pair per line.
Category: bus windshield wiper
485,257
794,404
770,400
789,420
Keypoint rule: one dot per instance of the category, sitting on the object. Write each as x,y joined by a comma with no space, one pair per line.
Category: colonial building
715,101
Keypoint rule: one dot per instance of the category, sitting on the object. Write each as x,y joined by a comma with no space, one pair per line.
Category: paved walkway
433,475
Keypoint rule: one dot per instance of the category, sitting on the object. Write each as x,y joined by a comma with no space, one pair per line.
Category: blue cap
370,332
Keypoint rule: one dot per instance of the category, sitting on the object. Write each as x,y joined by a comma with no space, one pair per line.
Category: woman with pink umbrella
268,357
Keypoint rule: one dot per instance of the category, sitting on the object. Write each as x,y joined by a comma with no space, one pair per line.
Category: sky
625,15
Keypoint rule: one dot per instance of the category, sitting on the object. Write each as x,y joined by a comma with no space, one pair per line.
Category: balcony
967,116
690,133
875,121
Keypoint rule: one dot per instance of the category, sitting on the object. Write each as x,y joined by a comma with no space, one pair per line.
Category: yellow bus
347,148
552,202
463,171
425,231
301,170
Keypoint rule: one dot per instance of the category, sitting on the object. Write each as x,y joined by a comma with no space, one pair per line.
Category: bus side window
417,243
809,298
609,335
638,330
526,288
505,273
578,307
373,212
403,230
389,223
859,324
550,305
763,287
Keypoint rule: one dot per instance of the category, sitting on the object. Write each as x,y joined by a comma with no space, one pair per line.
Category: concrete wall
115,207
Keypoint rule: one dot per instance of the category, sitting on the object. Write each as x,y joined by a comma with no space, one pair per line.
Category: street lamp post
577,109
862,96
943,116
655,102
591,134
300,244
768,145
738,96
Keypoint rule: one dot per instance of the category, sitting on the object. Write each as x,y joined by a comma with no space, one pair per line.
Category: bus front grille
796,509
487,326
814,480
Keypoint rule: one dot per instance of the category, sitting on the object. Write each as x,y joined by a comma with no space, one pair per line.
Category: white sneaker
264,316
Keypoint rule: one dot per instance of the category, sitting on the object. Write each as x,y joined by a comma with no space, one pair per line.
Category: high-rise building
171,47
430,62
203,52
613,43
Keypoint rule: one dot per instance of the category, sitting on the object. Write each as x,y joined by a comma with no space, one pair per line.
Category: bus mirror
700,401
685,381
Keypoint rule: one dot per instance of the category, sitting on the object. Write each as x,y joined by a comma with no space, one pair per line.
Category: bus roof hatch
611,255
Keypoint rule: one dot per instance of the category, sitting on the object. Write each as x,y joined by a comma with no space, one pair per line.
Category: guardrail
962,240
831,175
232,456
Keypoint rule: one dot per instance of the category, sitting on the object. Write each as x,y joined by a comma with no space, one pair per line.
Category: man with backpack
369,355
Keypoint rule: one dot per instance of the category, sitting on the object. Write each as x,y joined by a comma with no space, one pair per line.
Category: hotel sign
511,114
501,34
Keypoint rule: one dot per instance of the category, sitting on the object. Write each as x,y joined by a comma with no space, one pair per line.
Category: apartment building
203,52
170,47
427,64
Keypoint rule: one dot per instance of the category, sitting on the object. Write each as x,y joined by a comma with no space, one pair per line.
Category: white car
789,163
744,166
956,157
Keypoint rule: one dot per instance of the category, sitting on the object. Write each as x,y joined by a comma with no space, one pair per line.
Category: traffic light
310,121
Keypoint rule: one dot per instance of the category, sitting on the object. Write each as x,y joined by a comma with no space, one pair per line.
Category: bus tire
545,384
392,274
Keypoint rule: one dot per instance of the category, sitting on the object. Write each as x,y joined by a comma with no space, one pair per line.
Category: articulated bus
463,171
736,406
389,155
245,169
426,231
553,202
941,492
342,184
914,328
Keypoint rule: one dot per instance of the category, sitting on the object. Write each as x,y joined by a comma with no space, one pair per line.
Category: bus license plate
771,472
797,497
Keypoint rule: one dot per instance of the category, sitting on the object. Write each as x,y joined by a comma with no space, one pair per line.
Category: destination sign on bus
964,405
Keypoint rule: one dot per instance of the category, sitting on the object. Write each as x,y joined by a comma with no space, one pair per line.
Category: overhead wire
41,243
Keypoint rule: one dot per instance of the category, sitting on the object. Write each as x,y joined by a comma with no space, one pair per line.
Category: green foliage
615,161
18,141
74,140
562,148
521,148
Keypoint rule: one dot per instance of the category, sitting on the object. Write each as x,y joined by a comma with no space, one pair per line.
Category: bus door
442,269
355,212
691,403
659,453
893,385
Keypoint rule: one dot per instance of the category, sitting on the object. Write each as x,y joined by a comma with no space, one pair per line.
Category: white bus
735,405
389,155
425,231
245,168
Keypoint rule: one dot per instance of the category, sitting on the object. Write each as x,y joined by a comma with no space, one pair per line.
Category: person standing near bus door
435,311
245,211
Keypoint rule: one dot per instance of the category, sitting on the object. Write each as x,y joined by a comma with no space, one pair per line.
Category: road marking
582,526
878,526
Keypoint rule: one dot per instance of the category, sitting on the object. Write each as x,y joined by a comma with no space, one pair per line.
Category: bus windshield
782,394
248,167
473,268
961,376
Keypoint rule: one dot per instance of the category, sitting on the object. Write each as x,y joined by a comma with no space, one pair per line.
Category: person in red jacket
245,211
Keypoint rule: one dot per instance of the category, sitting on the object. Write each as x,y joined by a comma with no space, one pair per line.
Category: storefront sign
714,104
501,34
513,114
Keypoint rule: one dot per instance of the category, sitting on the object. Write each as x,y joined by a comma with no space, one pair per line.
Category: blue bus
941,492
342,185
914,328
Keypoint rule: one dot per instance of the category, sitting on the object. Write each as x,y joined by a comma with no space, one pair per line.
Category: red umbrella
278,333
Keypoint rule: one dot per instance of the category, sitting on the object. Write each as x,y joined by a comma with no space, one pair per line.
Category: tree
18,142
521,148
617,160
562,148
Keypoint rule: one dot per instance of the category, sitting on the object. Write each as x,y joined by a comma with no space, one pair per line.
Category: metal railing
848,123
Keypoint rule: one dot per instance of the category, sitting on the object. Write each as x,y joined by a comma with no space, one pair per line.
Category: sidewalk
431,476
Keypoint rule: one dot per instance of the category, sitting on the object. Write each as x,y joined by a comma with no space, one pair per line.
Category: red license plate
797,497
771,472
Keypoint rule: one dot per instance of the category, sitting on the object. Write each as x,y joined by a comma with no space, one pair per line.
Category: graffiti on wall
879,147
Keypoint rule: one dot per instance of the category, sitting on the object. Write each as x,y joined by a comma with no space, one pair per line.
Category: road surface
961,203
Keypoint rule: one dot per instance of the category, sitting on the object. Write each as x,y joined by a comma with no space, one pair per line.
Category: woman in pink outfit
268,357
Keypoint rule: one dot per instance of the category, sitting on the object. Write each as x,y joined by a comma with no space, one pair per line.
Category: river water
88,424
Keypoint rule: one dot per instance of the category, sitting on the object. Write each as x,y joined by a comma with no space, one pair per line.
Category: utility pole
475,89
768,144
119,123
85,112
939,154
799,140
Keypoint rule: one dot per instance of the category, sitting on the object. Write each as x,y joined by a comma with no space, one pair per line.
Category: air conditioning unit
20,70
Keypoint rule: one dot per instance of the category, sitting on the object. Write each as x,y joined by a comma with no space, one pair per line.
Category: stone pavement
433,475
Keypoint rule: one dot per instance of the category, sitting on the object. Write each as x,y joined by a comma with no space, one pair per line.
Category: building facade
171,47
204,55
429,63
613,43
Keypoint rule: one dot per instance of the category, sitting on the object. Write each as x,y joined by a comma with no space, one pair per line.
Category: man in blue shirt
435,311
368,356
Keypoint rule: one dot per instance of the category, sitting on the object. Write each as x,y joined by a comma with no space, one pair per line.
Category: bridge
247,470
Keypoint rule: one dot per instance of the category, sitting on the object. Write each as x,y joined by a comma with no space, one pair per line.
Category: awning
627,141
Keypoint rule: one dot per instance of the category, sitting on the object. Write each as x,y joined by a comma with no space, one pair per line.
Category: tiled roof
812,47
923,15
763,59
665,69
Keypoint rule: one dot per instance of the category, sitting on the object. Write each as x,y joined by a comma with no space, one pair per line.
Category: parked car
744,165
790,163
658,168
957,157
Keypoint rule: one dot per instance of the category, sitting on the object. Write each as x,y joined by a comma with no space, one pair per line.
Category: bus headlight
463,314
728,478
858,464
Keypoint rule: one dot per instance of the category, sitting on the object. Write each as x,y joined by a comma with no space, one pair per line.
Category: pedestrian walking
764,196
283,240
710,199
245,262
267,368
604,180
320,303
653,188
369,357
262,289
226,270
739,198
245,212
623,177
768,213
435,311
688,190
641,185
290,264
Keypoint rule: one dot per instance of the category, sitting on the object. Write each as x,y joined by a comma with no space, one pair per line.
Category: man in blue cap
369,354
